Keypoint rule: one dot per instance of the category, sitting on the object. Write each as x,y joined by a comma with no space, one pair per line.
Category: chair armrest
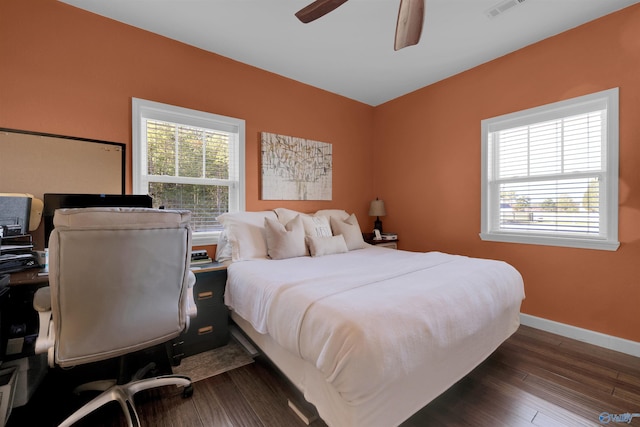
42,299
46,333
192,309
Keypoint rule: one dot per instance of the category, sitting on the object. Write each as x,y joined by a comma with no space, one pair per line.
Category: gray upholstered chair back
118,279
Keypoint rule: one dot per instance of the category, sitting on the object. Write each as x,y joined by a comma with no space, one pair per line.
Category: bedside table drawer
209,288
210,328
207,298
205,317
207,330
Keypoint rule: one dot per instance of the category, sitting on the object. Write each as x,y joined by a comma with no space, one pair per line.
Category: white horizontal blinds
548,175
189,168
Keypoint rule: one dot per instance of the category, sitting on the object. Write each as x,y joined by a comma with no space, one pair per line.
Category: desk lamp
377,209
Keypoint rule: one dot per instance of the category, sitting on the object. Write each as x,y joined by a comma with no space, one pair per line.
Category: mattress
375,333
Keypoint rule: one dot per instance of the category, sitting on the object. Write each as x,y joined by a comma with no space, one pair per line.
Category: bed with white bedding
370,335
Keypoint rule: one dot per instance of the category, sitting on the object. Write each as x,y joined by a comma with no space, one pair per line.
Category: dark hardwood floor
534,378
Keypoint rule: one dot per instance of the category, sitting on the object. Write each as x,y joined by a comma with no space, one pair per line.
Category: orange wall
66,71
430,140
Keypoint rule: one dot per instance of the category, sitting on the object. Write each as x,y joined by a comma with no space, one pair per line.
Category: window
550,174
188,159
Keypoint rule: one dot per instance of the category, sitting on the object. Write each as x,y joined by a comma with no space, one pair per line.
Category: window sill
205,239
604,245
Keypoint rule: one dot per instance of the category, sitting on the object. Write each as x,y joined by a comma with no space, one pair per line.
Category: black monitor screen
53,201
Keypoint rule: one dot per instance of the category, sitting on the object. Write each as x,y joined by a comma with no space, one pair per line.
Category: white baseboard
585,335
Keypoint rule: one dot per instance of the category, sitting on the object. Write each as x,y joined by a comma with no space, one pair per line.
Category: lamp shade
377,208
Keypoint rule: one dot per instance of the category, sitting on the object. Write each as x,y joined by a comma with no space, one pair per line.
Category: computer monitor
53,201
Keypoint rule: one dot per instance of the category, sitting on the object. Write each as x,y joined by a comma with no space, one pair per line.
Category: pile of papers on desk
16,253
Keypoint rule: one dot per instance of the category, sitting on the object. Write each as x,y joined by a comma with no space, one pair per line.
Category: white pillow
316,225
339,213
285,241
285,215
246,234
321,245
223,248
350,230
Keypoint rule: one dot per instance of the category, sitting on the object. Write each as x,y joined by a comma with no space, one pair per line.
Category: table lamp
377,209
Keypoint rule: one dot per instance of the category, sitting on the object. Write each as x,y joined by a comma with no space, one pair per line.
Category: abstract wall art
295,168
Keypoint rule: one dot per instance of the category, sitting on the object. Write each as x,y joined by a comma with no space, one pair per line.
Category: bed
369,335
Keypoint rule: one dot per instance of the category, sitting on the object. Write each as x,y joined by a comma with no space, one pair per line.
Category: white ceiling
350,50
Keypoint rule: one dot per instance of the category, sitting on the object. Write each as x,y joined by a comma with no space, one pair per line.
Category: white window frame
144,109
490,197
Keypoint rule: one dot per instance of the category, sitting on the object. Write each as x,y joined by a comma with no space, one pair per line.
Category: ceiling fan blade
317,9
409,26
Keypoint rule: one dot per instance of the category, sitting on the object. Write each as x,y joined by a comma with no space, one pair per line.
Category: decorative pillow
339,213
246,234
285,215
313,225
285,241
316,225
223,248
321,245
350,230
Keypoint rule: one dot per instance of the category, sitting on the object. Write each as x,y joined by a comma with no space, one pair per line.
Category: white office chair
119,282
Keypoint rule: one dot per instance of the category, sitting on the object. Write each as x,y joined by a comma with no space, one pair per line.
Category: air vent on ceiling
503,7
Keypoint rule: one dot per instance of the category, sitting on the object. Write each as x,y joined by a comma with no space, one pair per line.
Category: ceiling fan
408,27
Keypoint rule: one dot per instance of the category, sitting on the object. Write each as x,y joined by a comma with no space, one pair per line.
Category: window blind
189,159
189,168
550,174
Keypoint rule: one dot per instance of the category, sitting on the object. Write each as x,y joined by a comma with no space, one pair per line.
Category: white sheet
374,316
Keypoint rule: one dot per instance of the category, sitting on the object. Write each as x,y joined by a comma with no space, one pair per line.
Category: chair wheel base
188,391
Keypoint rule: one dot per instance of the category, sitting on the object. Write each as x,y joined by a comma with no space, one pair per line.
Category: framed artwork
295,168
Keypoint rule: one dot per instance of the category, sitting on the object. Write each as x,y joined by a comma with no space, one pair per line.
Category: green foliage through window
180,151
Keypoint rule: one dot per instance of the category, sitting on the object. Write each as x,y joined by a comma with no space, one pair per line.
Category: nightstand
210,328
391,244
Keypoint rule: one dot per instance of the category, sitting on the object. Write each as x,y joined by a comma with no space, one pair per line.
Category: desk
28,277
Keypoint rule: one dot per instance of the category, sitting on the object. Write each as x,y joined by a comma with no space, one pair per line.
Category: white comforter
371,316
